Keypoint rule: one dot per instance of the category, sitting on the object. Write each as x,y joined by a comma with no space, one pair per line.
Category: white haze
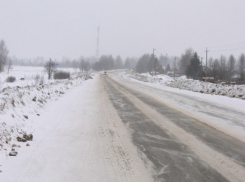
57,28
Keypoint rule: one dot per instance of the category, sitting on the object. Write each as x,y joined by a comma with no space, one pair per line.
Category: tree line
223,68
107,62
189,64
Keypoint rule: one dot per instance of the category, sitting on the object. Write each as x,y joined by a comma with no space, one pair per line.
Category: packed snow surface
76,137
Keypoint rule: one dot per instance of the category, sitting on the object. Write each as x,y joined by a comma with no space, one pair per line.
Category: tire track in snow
224,165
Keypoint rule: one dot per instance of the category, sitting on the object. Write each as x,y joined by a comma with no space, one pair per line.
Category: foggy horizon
60,29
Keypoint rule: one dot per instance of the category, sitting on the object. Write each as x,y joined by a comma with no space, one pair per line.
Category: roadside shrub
61,75
42,81
37,79
10,79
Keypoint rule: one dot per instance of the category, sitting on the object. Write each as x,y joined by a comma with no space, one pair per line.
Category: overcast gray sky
57,28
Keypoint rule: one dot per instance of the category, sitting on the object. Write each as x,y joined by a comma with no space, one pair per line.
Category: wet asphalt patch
172,160
219,141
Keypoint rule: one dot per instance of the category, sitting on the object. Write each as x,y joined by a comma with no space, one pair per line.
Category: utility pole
174,65
166,61
206,62
153,61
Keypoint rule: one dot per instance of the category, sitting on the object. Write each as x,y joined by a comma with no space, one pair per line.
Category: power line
227,49
226,45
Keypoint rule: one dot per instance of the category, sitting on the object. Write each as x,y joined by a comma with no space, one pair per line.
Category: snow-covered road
112,128
165,135
80,138
220,112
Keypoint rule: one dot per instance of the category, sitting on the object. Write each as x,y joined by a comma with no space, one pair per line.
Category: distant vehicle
105,73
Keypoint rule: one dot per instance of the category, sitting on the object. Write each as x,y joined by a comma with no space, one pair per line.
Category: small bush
37,79
61,75
42,81
10,79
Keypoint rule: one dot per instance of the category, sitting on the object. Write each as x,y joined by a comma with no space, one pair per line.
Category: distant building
207,70
177,73
170,73
208,79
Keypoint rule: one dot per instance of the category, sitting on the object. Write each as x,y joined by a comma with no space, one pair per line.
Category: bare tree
231,66
163,60
185,60
210,62
222,67
3,55
241,67
118,63
50,67
82,65
9,64
130,62
75,65
215,68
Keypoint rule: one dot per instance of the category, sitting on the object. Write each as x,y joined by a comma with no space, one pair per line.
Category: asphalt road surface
177,146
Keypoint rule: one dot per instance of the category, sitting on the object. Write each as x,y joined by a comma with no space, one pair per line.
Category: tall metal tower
98,41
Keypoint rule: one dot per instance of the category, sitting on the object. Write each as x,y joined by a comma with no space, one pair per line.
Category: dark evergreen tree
168,68
142,63
231,66
241,65
195,68
153,63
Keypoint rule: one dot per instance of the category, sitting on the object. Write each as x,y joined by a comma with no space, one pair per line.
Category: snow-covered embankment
19,106
236,91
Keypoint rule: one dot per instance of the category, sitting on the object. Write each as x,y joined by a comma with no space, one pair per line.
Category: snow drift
236,91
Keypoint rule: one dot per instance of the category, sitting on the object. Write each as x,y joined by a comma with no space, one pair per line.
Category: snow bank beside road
236,91
77,140
19,106
146,77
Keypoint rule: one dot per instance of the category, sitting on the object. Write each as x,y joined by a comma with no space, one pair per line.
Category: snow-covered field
236,91
29,75
23,101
